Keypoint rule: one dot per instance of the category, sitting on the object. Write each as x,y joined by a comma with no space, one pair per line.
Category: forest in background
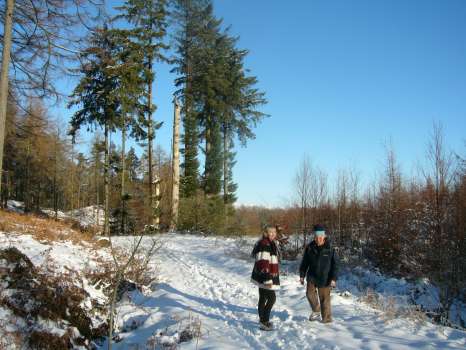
216,101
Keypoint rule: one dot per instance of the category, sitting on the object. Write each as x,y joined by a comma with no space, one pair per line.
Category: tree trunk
226,149
149,148
123,170
156,202
4,77
72,176
303,205
39,193
208,146
226,179
106,182
97,187
55,196
27,194
175,166
79,191
8,189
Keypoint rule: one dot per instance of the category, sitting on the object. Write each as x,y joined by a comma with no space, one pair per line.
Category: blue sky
342,79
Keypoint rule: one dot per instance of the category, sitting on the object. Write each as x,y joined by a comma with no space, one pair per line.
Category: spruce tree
209,82
229,186
241,113
109,90
212,183
229,103
133,163
220,100
188,15
148,29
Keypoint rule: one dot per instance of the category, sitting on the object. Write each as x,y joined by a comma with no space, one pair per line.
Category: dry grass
11,340
390,309
36,295
43,229
46,340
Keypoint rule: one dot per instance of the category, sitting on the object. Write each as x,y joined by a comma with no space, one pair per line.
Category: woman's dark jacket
319,264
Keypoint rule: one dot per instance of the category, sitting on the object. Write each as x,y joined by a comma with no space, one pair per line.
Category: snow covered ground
205,281
204,288
15,206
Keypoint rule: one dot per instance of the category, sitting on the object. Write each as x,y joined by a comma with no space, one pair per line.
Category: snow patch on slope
93,215
86,217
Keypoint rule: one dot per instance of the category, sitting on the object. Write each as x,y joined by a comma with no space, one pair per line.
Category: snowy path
199,276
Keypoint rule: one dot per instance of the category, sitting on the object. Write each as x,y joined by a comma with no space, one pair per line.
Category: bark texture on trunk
149,151
106,183
8,25
175,166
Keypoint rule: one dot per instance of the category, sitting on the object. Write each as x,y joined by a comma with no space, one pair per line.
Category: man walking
320,266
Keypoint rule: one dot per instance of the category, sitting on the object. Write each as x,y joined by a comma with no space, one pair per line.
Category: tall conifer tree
188,15
109,90
149,21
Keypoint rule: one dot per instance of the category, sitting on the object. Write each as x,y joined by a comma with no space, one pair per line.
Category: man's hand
301,280
333,284
269,285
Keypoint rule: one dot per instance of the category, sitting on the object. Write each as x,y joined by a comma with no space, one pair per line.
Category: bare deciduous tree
439,177
311,189
302,183
39,36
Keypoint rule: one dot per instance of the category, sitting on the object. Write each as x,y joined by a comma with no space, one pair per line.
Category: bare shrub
139,270
35,294
370,297
186,329
391,309
132,263
241,249
415,313
45,340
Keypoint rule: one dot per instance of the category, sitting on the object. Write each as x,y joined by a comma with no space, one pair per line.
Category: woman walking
265,274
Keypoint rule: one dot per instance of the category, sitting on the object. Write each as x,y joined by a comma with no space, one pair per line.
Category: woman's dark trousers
266,300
